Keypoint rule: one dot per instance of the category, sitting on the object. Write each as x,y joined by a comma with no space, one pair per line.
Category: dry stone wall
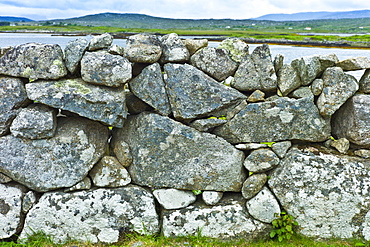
170,136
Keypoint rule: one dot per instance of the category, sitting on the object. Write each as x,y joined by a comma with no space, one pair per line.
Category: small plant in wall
283,226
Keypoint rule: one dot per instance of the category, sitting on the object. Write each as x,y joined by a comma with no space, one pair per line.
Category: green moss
80,88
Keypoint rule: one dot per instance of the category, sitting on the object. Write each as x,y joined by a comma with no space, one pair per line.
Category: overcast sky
194,9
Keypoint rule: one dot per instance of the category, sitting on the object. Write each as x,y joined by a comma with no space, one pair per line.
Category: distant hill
304,16
14,19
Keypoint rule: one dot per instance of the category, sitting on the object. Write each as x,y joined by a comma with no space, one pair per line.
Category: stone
10,211
355,63
317,86
325,192
102,41
328,60
28,201
173,198
288,79
302,92
214,62
365,82
342,145
227,219
250,146
135,105
237,48
58,162
352,120
338,88
102,68
143,48
13,95
74,51
34,61
261,160
37,121
177,156
281,148
173,49
116,50
4,50
256,72
256,96
98,215
308,68
108,172
193,45
278,120
211,197
253,185
4,179
207,125
103,104
149,86
193,94
278,62
84,184
263,206
122,151
363,153
232,111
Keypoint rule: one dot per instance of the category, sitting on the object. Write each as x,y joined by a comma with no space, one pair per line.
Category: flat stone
102,68
143,48
74,52
263,206
355,63
211,197
193,45
34,61
84,184
250,146
58,162
302,92
37,121
363,153
173,49
173,155
99,215
308,68
261,160
206,125
237,48
173,198
253,185
103,104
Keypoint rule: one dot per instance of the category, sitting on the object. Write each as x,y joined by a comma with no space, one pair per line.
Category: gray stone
342,145
281,148
85,184
365,82
288,79
99,215
228,219
108,172
278,62
355,63
328,60
253,185
116,50
211,197
232,111
58,162
10,211
214,62
103,104
173,198
4,179
317,86
302,92
237,48
352,120
35,122
177,156
143,48
250,146
261,160
193,94
173,49
4,50
122,151
263,206
136,105
149,86
338,88
74,52
308,68
256,96
363,153
28,201
256,72
278,120
13,95
102,68
326,193
206,125
193,45
102,41
34,61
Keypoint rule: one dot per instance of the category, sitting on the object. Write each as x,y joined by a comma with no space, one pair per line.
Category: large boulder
143,48
194,94
74,52
34,61
281,119
176,156
352,120
326,193
104,104
58,162
99,215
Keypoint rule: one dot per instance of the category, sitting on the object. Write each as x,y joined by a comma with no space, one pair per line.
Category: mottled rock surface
173,49
57,162
342,145
205,125
143,48
237,48
193,45
177,156
355,63
84,184
308,68
173,198
365,82
102,41
281,148
211,197
99,215
122,151
253,185
263,206
261,160
287,79
74,52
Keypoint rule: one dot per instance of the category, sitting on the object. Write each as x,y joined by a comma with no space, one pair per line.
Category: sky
188,9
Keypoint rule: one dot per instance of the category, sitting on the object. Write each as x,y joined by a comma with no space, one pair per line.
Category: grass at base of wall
135,240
